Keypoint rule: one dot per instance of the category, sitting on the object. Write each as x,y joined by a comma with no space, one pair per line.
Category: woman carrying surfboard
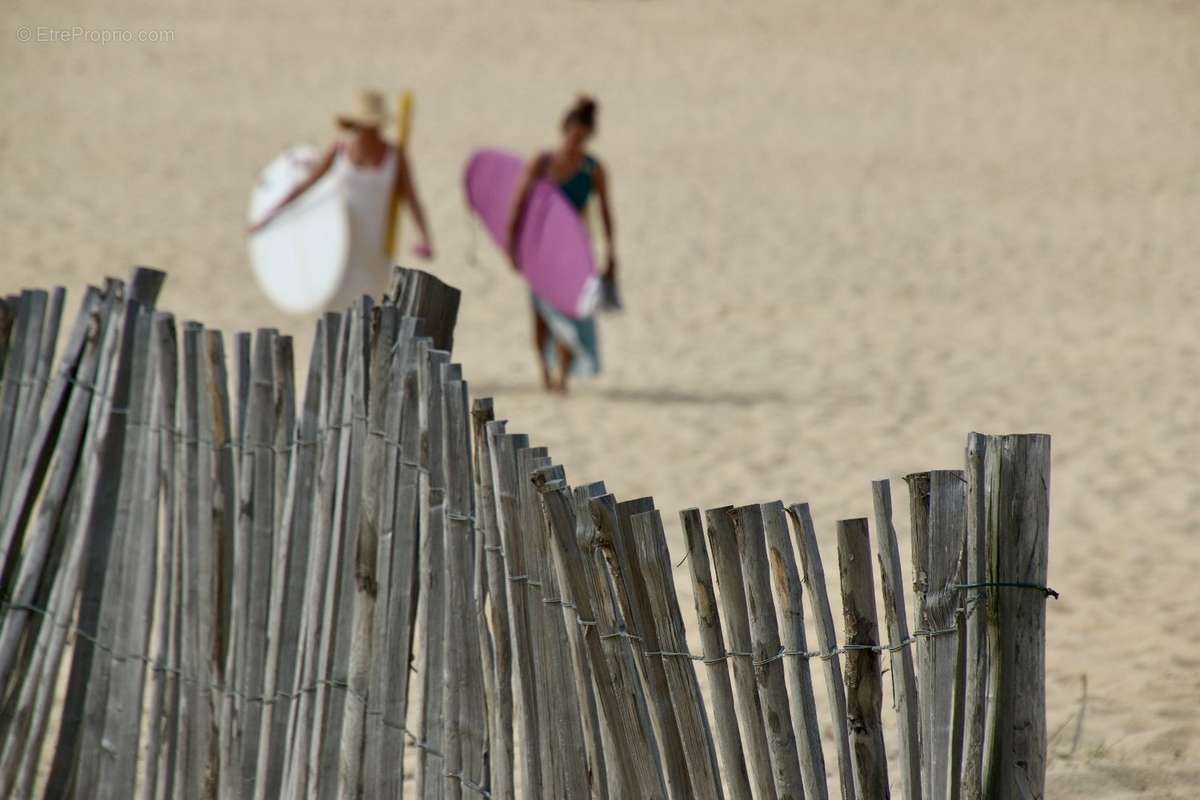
567,345
370,171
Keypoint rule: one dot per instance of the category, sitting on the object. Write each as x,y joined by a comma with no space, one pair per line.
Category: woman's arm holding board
609,225
406,187
318,172
533,171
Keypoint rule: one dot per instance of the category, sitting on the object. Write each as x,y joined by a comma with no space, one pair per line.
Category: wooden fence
299,600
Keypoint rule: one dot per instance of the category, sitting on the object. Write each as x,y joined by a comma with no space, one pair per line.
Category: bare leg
541,335
565,358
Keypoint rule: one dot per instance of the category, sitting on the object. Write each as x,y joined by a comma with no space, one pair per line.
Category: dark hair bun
583,112
585,104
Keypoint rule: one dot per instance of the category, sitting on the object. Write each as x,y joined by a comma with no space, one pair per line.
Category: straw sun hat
370,111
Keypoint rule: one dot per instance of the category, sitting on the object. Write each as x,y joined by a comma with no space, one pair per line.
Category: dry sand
849,235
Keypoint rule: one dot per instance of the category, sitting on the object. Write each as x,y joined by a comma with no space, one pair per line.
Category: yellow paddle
404,104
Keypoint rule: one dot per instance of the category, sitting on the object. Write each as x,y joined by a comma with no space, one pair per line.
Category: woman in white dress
369,171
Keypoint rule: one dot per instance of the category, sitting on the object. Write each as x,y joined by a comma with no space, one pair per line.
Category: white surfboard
299,258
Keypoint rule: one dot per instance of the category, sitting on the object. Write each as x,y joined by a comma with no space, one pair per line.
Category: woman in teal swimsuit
564,345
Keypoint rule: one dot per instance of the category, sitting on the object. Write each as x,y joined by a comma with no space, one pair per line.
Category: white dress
368,195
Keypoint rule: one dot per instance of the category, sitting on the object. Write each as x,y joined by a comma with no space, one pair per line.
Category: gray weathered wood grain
402,600
766,646
432,592
130,603
904,679
789,599
256,529
712,643
332,345
53,531
654,560
504,447
17,388
631,589
628,756
74,396
559,600
164,688
864,684
98,520
223,505
976,698
958,711
44,443
566,759
331,705
366,558
1018,531
388,475
937,600
728,567
813,576
617,635
501,748
459,660
418,294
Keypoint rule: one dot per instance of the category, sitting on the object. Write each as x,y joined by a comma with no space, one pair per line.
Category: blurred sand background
849,234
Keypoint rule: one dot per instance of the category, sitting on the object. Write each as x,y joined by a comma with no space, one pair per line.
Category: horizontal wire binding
78,384
460,517
723,658
27,382
1045,590
664,653
467,783
163,668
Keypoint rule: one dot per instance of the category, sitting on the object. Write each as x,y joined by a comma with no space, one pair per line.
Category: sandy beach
849,235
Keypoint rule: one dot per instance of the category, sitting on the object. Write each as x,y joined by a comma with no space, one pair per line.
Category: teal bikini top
578,187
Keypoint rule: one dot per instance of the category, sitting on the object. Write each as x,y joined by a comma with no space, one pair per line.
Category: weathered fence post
98,527
432,592
616,636
818,598
976,698
728,568
1018,524
628,759
487,509
650,543
729,741
504,449
366,556
768,650
558,604
330,348
904,679
631,585
864,685
394,674
936,504
790,605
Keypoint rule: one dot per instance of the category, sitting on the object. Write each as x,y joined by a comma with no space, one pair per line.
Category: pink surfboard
555,252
